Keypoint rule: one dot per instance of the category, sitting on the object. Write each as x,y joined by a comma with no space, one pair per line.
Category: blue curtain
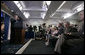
6,22
1,14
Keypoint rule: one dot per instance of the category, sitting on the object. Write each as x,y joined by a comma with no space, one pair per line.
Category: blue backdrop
1,14
6,22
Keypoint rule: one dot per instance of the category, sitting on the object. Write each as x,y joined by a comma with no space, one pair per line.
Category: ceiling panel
52,8
66,8
33,4
59,14
35,8
35,13
69,4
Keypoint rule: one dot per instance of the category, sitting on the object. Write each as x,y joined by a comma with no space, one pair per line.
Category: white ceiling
32,4
66,8
35,8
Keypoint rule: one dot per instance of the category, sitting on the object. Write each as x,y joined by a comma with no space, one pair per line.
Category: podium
17,32
19,36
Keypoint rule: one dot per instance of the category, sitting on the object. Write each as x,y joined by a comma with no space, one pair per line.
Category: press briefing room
42,27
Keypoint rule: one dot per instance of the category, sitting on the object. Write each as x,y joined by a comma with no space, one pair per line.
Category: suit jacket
60,30
80,32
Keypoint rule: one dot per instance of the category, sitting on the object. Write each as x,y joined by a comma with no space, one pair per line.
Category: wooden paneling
19,36
23,36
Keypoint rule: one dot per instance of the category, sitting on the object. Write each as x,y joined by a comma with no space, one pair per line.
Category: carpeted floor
7,48
38,47
10,49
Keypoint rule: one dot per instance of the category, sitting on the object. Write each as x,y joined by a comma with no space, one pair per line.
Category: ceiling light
52,15
67,15
79,9
20,8
42,15
61,5
48,2
26,14
44,6
16,2
21,2
18,5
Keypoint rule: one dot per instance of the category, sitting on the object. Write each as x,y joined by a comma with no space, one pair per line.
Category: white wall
33,22
73,20
24,23
37,22
52,22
